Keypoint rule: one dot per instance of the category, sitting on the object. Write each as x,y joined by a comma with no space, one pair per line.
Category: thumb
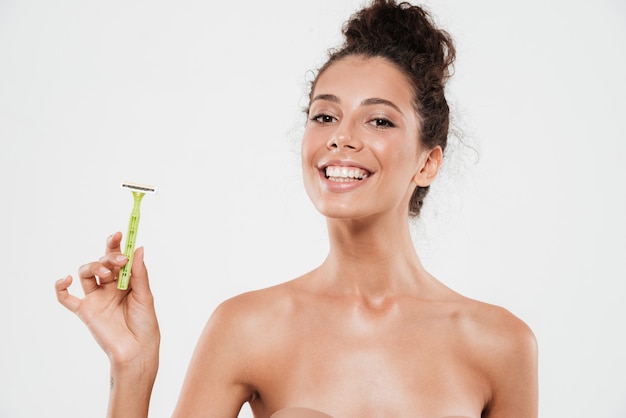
139,275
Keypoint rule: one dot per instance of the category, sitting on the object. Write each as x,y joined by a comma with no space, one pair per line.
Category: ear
430,164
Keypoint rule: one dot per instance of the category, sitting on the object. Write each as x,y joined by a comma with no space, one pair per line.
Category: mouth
343,174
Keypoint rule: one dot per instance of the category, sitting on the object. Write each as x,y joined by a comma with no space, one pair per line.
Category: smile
345,174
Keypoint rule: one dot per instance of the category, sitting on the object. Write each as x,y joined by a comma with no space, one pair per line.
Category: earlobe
429,168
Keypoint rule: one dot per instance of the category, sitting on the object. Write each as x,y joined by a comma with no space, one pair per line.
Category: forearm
131,388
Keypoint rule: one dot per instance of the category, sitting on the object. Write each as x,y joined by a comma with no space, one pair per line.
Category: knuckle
83,269
112,259
86,270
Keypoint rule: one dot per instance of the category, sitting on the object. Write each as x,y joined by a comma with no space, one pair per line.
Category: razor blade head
141,188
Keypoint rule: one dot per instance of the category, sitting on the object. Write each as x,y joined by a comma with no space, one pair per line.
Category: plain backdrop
204,100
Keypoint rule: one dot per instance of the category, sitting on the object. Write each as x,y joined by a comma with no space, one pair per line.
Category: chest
372,368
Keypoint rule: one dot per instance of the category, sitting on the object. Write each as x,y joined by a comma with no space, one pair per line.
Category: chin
344,212
345,206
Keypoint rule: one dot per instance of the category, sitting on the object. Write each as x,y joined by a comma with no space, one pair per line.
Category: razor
138,191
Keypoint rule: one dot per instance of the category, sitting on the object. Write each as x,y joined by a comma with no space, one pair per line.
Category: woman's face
361,154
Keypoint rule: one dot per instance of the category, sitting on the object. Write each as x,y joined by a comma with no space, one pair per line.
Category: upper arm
216,384
513,370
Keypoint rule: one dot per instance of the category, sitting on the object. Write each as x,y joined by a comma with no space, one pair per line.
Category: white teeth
336,173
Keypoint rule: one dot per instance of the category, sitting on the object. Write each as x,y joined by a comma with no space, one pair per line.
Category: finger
113,261
64,297
139,275
113,243
93,275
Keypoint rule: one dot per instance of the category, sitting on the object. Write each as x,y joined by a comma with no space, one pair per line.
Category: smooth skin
369,333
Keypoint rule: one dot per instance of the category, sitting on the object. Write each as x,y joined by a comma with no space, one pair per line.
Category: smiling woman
369,332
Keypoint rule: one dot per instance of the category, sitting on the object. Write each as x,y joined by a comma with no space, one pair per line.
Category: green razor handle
131,238
138,190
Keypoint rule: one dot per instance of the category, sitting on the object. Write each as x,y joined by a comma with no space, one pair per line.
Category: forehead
365,77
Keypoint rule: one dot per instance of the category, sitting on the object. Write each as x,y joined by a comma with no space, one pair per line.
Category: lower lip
341,186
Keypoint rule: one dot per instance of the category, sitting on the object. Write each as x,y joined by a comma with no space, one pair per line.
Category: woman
369,333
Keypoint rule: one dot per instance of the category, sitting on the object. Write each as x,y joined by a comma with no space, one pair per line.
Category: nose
342,138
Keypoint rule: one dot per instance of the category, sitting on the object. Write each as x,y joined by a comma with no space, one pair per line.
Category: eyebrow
366,102
376,101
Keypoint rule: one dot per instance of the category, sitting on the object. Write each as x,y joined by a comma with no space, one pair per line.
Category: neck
373,259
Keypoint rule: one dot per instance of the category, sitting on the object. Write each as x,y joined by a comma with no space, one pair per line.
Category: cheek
305,150
307,154
395,152
402,157
312,144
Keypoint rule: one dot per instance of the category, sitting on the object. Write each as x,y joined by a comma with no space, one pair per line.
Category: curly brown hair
406,36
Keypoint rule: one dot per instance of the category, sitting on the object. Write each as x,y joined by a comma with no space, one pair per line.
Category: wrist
139,368
139,359
131,388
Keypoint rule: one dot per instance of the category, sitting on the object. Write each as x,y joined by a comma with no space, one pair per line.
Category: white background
204,101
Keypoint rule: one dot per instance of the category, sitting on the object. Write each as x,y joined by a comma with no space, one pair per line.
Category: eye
382,123
323,118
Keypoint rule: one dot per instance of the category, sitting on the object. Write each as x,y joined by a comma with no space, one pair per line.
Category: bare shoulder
250,310
505,348
244,324
498,328
221,376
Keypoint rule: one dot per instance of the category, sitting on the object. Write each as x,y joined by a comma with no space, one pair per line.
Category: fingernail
120,258
104,271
